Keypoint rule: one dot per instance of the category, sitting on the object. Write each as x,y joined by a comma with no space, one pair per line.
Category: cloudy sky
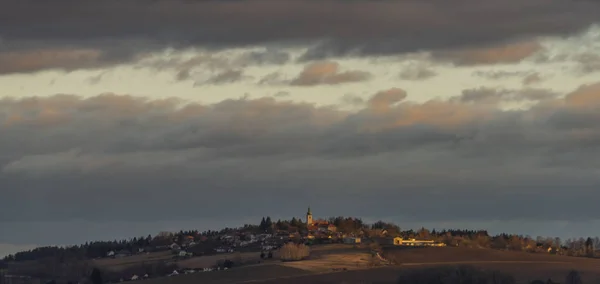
121,118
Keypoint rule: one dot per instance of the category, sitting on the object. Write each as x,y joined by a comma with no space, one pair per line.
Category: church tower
309,219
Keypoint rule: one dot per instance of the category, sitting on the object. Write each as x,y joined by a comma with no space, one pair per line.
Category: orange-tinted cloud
35,60
501,54
328,73
383,100
585,96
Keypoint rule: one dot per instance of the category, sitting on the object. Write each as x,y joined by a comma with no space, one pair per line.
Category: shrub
292,252
454,275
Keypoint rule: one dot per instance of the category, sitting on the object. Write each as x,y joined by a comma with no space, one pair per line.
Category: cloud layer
95,158
29,29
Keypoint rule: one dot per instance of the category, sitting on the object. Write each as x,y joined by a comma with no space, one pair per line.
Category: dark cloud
274,78
497,95
327,73
579,55
118,30
221,62
500,74
64,59
417,72
225,77
527,77
498,54
114,158
531,79
588,62
282,94
352,100
269,56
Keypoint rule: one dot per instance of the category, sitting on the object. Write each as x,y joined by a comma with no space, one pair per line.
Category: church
318,225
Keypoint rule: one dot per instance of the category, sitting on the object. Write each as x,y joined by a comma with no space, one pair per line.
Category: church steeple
309,218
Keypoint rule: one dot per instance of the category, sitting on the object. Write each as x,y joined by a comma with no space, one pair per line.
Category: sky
122,118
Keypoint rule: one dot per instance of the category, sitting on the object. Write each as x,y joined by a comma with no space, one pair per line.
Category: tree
96,276
262,223
589,247
423,233
499,243
268,223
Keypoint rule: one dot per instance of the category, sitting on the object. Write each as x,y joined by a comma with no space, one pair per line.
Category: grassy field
359,269
116,264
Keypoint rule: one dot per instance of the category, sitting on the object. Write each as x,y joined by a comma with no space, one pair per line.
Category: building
318,225
309,217
414,242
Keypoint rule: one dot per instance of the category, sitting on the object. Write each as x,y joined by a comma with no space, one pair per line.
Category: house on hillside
327,227
414,242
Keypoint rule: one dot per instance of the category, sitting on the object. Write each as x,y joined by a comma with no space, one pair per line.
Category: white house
110,253
134,277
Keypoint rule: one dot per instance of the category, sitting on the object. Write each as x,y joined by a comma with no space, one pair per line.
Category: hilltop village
269,236
185,252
